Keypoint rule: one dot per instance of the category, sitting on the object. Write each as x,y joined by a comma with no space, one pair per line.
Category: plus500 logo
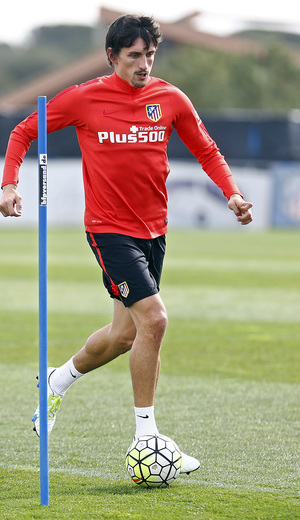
138,137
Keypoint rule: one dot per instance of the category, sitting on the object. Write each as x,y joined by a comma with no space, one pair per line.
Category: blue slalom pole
43,314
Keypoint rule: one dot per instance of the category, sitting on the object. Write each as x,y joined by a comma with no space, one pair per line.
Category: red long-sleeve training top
123,134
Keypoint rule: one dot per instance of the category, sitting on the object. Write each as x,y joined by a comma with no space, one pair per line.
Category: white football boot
188,463
54,402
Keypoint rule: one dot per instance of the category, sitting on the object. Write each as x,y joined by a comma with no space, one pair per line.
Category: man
123,123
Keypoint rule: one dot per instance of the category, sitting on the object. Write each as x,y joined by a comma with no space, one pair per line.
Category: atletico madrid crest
124,289
153,112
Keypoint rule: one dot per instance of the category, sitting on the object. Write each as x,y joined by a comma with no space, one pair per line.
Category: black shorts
131,266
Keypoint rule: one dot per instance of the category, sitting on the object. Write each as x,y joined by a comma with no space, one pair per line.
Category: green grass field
228,391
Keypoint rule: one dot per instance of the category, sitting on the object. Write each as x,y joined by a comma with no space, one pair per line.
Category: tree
217,80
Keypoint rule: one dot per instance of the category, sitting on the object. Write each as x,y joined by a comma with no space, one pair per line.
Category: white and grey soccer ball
153,461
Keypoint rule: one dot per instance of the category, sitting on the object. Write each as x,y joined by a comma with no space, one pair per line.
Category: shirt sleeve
193,133
60,113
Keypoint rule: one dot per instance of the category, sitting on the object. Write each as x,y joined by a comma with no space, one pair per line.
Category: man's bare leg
108,343
150,318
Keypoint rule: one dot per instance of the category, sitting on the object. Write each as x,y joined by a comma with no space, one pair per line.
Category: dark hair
124,31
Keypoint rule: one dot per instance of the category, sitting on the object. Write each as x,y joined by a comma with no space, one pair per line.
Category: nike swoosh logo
72,374
110,112
144,416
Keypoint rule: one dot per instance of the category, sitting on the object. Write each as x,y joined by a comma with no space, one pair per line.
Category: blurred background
240,68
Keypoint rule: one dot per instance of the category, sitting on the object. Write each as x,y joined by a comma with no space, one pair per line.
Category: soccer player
123,123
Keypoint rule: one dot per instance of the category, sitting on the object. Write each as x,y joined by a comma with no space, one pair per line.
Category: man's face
134,64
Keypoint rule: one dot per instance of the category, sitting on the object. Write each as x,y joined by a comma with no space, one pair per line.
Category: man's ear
111,57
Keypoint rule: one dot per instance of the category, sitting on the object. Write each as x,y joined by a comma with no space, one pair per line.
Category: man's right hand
11,201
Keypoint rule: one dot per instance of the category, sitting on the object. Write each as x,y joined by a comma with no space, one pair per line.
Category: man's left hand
241,208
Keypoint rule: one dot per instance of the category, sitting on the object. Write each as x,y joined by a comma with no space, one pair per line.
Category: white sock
63,377
145,421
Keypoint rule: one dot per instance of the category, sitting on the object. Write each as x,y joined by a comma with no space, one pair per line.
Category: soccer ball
153,461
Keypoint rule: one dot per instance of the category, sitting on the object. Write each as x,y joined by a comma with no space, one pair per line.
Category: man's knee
154,324
158,322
